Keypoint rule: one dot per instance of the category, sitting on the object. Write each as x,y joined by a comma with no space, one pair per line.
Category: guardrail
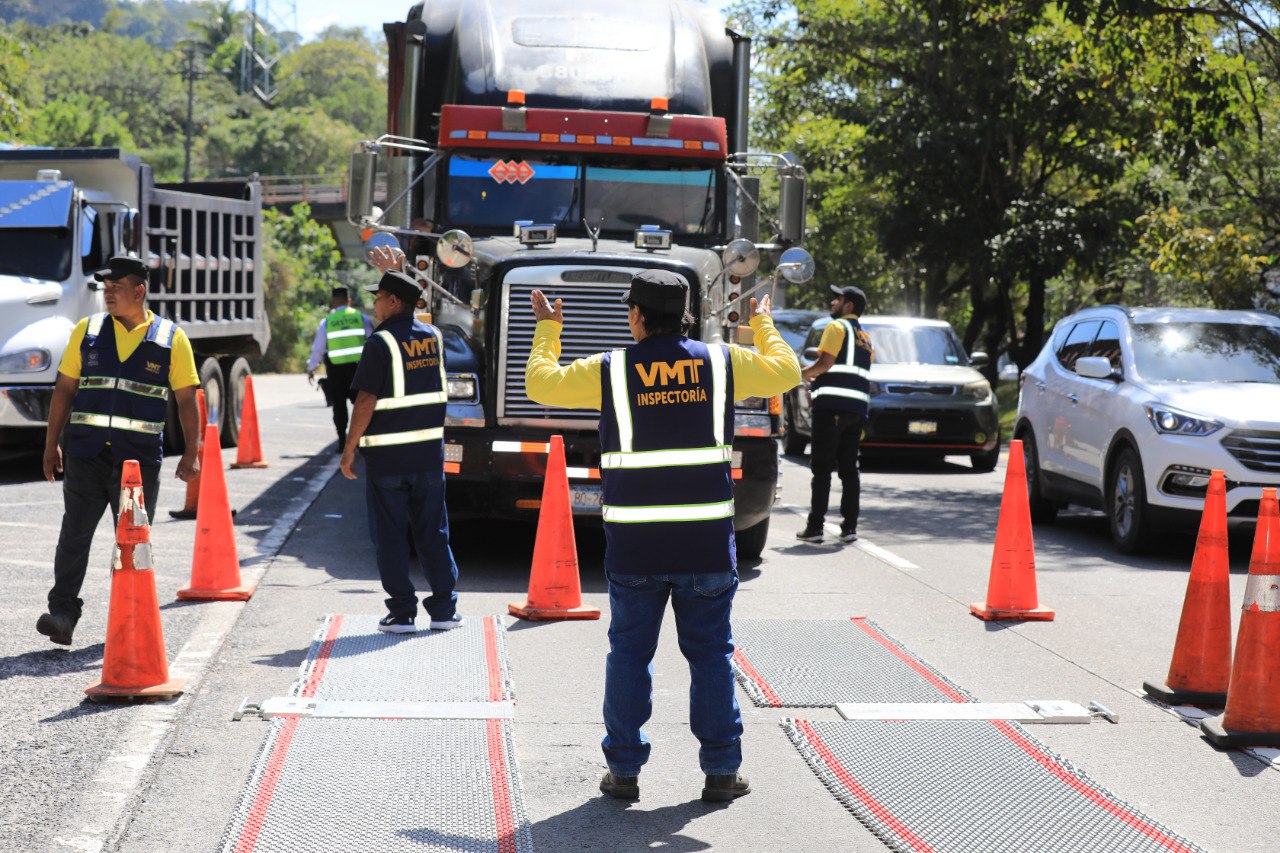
313,189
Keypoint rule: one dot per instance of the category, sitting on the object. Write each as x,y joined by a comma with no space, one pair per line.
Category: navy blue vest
846,386
121,403
406,434
666,436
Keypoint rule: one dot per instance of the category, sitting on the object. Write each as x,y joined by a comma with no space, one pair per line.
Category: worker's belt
103,383
117,422
682,512
665,458
413,435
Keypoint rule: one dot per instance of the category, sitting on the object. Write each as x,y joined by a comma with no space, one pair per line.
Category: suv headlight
26,361
980,390
462,386
1170,421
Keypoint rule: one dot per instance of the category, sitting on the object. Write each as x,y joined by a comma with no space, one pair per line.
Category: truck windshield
43,253
494,193
1207,352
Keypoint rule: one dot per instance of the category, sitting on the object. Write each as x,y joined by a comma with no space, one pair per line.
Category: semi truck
63,213
539,144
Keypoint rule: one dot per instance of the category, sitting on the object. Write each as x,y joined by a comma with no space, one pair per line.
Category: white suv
1128,410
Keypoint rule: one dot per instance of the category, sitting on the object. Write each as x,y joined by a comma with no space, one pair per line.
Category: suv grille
597,322
1255,449
913,388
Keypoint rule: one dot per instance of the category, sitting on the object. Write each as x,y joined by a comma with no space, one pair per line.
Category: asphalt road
76,776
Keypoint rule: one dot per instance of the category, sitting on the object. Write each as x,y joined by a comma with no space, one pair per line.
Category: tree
341,77
302,261
297,141
13,72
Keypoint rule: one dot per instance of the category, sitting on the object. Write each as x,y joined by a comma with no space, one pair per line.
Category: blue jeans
701,603
400,504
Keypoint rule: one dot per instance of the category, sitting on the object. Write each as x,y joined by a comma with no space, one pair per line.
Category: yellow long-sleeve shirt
772,370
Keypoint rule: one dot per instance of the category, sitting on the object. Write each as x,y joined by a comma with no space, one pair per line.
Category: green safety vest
344,335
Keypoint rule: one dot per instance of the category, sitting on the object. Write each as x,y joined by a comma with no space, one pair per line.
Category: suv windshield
1207,352
916,345
494,193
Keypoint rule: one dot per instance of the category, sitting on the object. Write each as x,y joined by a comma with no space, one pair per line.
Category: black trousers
835,441
89,486
340,377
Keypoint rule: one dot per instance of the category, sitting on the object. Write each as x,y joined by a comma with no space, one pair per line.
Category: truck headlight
980,391
462,386
1170,421
26,361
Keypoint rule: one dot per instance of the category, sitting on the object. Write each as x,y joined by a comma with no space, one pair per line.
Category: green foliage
291,141
1194,265
302,261
13,73
340,77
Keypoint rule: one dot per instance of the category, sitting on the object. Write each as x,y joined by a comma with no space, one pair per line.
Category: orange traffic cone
188,510
249,451
1201,666
1011,587
554,590
1252,716
215,568
134,661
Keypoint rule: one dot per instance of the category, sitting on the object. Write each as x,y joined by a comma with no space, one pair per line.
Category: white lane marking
31,524
881,554
126,774
31,503
39,564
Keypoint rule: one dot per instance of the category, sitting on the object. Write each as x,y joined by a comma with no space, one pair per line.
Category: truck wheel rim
1123,501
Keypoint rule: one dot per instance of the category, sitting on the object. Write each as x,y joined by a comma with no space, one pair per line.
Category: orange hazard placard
510,172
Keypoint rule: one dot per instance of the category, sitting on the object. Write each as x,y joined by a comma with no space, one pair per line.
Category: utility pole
191,100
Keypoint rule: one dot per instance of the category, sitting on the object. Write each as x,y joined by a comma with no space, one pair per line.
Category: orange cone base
250,465
1177,696
1216,734
184,514
548,614
236,593
171,688
989,614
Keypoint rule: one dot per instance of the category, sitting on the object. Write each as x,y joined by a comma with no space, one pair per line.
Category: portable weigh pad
971,787
816,663
397,783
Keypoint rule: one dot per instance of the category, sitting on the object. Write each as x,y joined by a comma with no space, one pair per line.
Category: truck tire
751,541
211,383
234,371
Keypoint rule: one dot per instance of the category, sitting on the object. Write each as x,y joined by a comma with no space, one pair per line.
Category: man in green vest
339,340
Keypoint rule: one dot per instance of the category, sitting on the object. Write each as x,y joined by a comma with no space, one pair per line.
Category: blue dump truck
538,144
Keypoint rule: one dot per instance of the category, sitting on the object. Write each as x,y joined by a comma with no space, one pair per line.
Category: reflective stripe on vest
434,434
344,336
105,383
627,459
95,325
399,400
847,393
676,512
117,422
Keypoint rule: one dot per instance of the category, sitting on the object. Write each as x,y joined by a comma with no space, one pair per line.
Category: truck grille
1255,449
595,321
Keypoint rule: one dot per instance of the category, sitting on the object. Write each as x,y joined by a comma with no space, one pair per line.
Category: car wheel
1127,503
987,460
793,443
750,542
1042,511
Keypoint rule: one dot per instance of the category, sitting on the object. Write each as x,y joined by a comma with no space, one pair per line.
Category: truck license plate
585,497
922,427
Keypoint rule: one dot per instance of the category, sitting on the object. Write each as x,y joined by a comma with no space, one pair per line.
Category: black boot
57,627
621,787
722,789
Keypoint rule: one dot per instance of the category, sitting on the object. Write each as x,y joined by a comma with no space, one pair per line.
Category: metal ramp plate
383,785
351,659
971,787
1035,711
816,663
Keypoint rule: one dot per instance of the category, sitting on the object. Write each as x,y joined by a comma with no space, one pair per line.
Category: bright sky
315,15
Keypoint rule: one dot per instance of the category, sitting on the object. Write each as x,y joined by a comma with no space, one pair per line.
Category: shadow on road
52,661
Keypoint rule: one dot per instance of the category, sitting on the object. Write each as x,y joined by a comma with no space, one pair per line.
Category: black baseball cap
659,290
340,290
853,294
121,266
399,285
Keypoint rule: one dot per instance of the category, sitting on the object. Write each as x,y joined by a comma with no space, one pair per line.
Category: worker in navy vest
398,425
666,441
109,403
840,385
339,341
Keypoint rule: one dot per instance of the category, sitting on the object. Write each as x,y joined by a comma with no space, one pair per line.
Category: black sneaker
811,533
396,624
57,627
722,789
847,534
454,621
621,787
